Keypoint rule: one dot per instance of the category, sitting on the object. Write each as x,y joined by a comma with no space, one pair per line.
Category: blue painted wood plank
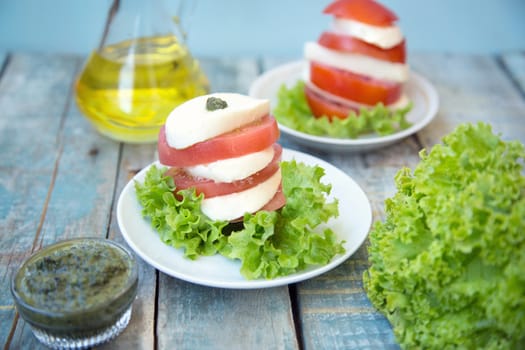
140,333
81,204
33,97
471,88
198,317
83,181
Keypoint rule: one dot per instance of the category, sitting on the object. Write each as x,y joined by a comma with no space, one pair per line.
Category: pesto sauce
75,277
214,103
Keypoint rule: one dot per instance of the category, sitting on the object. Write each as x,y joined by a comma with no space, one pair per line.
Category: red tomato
278,201
211,188
251,138
355,87
365,11
346,43
320,106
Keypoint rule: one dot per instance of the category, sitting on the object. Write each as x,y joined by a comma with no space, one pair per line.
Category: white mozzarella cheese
384,37
235,205
191,122
229,170
357,63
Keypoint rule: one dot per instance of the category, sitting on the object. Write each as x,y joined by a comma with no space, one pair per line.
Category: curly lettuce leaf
178,220
283,242
447,264
292,110
269,244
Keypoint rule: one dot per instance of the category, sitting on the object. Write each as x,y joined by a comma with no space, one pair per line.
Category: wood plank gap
364,159
48,197
341,291
418,142
296,314
60,143
503,66
156,311
11,334
3,67
351,278
115,187
342,310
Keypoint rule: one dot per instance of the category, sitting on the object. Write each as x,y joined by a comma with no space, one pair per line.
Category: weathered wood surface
61,179
140,333
68,186
33,100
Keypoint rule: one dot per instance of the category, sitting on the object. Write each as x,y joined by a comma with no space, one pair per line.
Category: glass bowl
76,293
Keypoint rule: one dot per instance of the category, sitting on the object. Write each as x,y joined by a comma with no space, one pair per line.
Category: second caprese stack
359,62
224,145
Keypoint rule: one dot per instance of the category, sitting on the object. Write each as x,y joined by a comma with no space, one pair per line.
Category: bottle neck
135,19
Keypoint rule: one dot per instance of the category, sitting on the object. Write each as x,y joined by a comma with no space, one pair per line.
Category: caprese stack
359,62
224,145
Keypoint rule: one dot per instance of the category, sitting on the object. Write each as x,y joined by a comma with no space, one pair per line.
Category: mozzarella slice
357,63
191,122
233,169
235,205
384,37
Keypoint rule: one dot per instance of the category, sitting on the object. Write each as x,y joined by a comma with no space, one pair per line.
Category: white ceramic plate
421,92
352,226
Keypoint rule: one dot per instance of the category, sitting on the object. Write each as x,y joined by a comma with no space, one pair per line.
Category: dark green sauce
214,103
75,277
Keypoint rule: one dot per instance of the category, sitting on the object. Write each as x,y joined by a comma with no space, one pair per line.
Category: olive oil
128,89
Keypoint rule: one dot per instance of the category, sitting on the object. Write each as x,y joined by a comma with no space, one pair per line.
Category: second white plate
419,90
352,226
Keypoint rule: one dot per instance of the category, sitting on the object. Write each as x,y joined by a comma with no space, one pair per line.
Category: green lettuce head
448,263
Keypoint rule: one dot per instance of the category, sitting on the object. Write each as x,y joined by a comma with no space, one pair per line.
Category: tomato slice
210,188
320,106
355,87
347,43
251,138
277,202
365,11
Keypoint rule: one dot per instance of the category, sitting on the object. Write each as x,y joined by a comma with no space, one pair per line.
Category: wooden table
60,179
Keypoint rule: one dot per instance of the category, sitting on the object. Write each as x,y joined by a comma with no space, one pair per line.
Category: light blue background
240,28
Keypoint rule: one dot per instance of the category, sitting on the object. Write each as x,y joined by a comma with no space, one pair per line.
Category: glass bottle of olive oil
130,84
